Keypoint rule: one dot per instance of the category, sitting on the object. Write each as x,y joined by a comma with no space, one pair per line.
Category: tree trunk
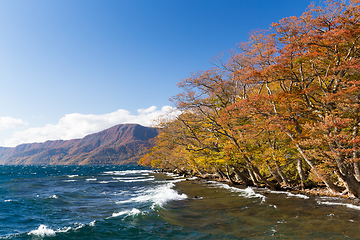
357,170
282,175
229,175
331,186
350,182
240,175
252,176
275,174
356,151
220,174
258,174
301,173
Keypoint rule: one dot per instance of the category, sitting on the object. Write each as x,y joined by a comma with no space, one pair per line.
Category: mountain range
121,144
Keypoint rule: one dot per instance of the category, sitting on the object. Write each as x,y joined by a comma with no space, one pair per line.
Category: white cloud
78,125
11,123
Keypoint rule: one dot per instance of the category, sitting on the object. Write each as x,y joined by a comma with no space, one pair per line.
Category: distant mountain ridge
120,144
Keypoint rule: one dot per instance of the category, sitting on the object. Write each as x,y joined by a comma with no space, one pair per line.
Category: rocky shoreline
313,191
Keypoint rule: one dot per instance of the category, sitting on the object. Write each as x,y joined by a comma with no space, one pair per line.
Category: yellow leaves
290,92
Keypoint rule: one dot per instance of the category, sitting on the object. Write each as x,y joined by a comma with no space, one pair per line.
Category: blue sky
73,67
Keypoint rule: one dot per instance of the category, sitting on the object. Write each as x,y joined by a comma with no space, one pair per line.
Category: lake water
129,202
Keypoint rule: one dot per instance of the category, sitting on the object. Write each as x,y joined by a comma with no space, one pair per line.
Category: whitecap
131,212
247,192
137,180
127,172
158,196
8,200
53,196
69,180
340,204
289,194
174,175
273,231
131,178
119,213
63,230
77,226
72,176
91,179
42,231
80,225
250,193
192,178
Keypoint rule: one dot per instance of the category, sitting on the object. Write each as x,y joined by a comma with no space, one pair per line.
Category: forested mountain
121,144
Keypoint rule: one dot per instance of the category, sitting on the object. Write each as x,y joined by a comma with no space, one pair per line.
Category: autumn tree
284,103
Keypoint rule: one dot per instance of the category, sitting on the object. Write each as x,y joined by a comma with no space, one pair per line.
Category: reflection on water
234,213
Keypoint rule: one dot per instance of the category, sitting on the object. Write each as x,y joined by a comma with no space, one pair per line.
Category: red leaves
292,91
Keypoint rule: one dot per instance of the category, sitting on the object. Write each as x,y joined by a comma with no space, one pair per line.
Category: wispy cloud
78,125
11,123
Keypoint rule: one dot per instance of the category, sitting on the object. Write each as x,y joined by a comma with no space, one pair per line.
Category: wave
91,179
137,180
106,182
130,178
72,176
42,231
340,204
247,192
128,172
131,212
157,196
289,194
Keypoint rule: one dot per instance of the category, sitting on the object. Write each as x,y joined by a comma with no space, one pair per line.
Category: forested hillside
121,144
282,111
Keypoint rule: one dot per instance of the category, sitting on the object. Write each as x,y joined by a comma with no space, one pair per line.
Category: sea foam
289,194
42,231
247,192
157,196
131,212
128,172
340,204
72,176
91,179
137,180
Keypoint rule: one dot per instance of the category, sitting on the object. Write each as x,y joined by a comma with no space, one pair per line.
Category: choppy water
128,202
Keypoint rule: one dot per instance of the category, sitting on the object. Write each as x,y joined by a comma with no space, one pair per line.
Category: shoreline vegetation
282,112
